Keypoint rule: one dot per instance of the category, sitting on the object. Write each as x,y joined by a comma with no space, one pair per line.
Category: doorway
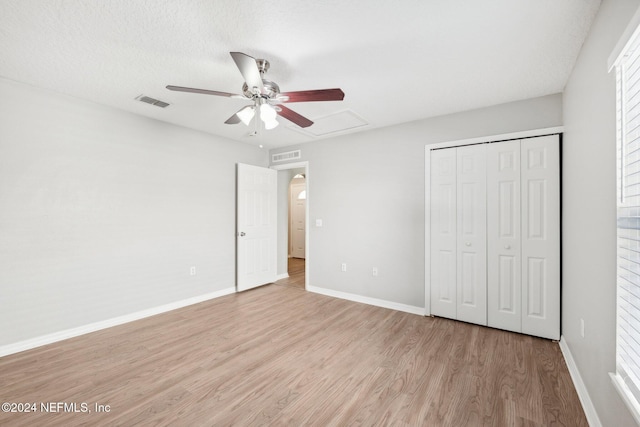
293,230
297,212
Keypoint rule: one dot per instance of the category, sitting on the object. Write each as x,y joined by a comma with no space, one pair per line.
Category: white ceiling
396,61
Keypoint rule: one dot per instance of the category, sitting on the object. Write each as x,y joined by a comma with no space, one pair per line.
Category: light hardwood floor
295,269
277,355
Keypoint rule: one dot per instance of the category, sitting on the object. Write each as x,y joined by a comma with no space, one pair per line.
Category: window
627,376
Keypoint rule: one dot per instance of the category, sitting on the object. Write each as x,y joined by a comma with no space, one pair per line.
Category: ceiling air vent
289,155
152,101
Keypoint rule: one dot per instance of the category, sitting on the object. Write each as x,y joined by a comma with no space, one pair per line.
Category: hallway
296,270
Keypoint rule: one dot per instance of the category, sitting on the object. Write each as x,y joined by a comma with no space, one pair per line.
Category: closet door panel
503,236
443,233
471,234
540,163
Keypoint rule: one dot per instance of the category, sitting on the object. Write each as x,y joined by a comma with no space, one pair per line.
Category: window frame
627,208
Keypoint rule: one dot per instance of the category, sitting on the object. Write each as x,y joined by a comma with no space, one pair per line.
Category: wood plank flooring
295,269
281,356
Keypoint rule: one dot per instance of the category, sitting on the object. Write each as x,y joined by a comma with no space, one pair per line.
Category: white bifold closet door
495,235
523,236
540,175
503,236
458,234
444,292
472,234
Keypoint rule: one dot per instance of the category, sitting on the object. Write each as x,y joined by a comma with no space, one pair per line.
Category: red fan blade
294,117
314,95
203,91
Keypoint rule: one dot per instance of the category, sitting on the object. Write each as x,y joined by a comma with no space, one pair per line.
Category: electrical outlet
582,328
192,271
344,266
375,271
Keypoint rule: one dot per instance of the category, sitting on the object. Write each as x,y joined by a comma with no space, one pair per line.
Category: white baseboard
583,394
367,300
282,276
103,324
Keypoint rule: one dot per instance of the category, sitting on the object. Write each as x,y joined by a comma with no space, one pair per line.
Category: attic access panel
333,123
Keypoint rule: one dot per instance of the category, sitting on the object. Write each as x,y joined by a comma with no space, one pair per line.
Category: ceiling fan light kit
246,114
268,115
265,94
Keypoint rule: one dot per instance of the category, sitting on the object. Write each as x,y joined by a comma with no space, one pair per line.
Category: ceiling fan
266,95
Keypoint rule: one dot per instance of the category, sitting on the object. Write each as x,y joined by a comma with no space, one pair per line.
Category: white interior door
540,163
297,205
443,233
471,234
503,236
256,222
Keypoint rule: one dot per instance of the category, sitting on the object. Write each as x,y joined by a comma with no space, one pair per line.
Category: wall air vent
289,155
152,101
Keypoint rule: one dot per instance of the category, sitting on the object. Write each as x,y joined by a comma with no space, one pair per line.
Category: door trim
305,165
292,202
427,188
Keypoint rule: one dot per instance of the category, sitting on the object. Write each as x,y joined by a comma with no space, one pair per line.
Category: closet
494,234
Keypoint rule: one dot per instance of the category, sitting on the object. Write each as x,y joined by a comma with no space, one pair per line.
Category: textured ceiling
395,61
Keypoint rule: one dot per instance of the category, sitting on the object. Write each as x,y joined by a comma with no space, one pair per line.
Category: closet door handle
507,246
467,244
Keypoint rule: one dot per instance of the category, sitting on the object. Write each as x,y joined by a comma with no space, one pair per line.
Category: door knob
468,244
507,246
242,234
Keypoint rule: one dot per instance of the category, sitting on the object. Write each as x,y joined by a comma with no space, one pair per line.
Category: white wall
589,211
368,188
103,212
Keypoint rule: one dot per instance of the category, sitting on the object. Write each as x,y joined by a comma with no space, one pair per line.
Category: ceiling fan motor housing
270,90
